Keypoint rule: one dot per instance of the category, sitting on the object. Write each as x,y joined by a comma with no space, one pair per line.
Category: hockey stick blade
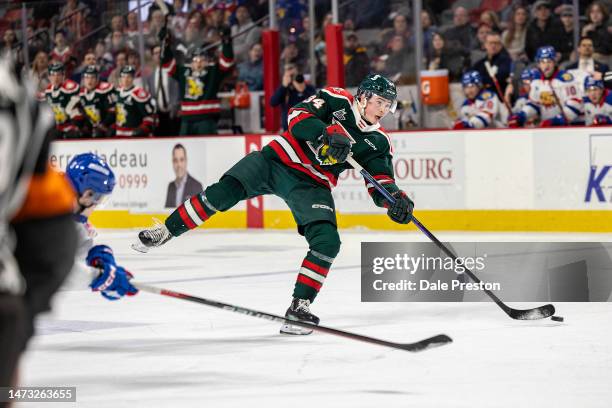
425,344
537,313
431,342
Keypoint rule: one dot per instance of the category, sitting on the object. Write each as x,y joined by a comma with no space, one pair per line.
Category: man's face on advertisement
179,162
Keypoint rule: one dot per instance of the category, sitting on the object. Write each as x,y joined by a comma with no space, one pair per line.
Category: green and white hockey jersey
300,147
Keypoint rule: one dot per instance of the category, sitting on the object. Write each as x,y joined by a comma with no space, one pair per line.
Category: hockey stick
541,312
430,342
497,86
558,102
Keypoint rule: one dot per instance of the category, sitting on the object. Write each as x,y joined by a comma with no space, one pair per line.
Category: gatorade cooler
434,87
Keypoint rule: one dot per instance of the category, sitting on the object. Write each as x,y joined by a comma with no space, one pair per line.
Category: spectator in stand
543,30
290,13
37,41
244,42
120,62
154,25
445,57
132,25
293,90
513,38
251,70
61,52
104,60
491,19
400,28
166,96
379,64
88,59
215,21
117,24
133,60
9,40
192,38
400,64
367,14
178,19
461,34
500,61
597,19
291,55
119,41
429,29
586,64
479,52
38,73
566,42
73,19
356,61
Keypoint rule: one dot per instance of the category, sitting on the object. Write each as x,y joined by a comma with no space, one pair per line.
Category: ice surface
154,351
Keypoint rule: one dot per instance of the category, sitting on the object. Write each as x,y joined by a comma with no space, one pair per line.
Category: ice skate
152,237
299,310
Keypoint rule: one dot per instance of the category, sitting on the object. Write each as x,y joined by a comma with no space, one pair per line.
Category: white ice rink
154,351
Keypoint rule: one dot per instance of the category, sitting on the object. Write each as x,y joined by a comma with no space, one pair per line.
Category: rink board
492,180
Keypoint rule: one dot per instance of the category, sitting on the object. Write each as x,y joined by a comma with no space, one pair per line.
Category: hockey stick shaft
427,343
508,310
497,86
558,102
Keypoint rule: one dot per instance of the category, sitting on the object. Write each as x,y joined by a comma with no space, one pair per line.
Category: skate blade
294,330
140,247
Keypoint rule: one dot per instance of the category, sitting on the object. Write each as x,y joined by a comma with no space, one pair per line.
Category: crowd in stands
458,35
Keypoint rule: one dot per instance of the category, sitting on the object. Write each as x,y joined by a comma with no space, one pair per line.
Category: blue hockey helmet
546,52
87,171
471,78
590,82
529,74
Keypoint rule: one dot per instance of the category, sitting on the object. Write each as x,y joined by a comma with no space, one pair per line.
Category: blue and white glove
114,281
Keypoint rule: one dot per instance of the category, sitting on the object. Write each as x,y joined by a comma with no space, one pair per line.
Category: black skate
299,310
155,236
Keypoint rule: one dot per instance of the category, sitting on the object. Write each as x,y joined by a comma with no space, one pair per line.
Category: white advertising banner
523,169
146,169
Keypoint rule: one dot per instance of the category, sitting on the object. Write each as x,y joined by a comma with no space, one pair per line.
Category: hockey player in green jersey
135,112
199,84
301,167
63,96
98,103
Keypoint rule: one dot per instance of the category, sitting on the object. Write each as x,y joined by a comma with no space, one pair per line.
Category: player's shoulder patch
70,86
338,93
484,95
565,76
140,94
105,87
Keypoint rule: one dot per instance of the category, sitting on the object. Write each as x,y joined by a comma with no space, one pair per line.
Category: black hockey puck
557,318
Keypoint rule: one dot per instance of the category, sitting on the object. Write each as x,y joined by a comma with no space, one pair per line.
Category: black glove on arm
401,211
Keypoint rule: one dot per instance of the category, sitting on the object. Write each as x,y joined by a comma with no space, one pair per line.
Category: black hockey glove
338,142
401,211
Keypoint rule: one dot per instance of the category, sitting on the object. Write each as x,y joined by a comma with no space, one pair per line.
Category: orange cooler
434,87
